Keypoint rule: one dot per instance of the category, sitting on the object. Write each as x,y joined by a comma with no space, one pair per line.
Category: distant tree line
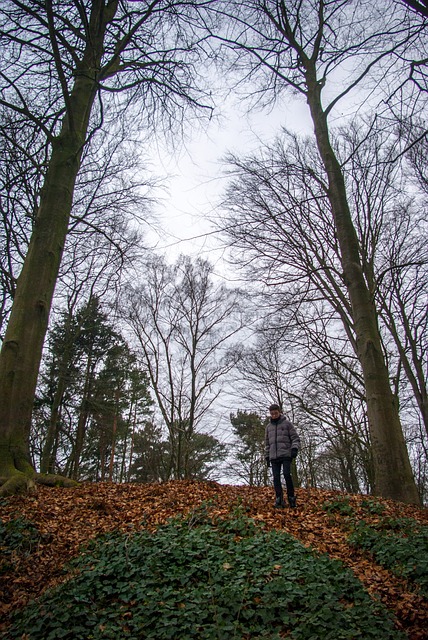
94,415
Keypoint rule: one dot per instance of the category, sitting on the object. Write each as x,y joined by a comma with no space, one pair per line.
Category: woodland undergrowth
202,560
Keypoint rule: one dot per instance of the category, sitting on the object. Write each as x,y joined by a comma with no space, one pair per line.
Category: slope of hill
64,520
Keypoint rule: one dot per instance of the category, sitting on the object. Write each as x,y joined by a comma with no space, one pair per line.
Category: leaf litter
67,519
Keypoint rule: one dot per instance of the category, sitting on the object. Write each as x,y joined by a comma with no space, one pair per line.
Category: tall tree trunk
415,375
113,437
131,452
83,419
122,473
47,460
102,456
48,457
393,473
22,347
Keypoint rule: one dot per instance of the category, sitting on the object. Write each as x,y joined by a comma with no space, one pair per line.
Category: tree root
15,484
19,482
53,480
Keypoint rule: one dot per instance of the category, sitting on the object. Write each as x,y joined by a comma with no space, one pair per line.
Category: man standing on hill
282,445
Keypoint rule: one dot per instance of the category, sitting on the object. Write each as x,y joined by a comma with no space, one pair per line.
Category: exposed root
21,483
53,480
15,484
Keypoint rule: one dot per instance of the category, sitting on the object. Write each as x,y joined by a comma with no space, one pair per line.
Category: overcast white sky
196,179
195,172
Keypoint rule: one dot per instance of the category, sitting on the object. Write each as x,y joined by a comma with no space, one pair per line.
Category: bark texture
22,347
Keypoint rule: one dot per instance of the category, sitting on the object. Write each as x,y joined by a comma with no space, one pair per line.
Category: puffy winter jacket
281,437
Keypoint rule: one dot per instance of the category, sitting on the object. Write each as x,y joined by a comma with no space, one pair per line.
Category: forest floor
68,518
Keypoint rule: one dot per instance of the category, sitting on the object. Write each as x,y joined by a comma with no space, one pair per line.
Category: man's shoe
292,501
279,503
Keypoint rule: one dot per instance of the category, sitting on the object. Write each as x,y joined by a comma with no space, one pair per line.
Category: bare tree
301,46
111,200
22,161
389,198
419,7
184,323
65,65
278,224
403,308
403,280
319,387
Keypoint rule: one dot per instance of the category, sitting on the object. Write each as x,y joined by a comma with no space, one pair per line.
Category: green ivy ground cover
223,581
18,536
398,545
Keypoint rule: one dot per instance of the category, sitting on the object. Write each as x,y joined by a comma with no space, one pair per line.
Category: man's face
274,414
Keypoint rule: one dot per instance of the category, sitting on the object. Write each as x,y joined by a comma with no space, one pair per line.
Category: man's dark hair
274,407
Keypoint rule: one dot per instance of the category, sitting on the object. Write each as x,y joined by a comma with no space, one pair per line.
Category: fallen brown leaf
69,518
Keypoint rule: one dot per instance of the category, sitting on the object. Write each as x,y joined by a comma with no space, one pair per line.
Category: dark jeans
285,464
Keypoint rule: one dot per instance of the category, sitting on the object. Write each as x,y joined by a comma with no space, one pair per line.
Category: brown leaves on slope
68,518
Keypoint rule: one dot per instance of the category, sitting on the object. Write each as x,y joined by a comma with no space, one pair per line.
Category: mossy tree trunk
22,347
